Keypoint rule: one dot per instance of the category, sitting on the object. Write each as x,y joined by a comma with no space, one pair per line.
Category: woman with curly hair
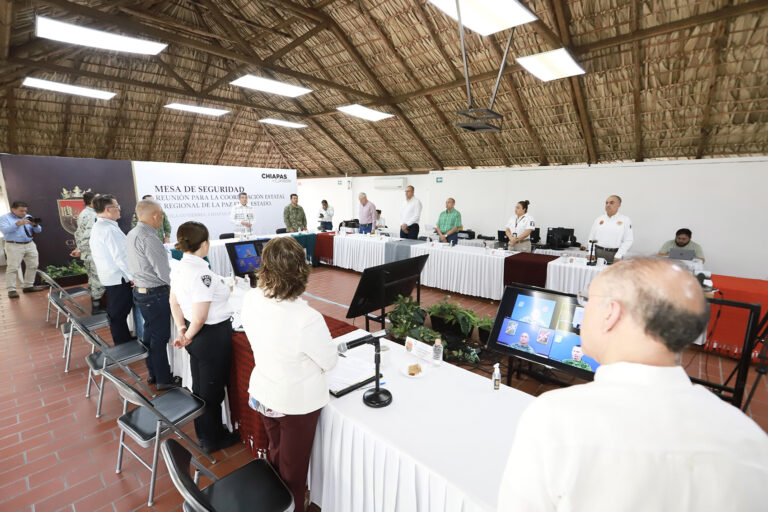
292,349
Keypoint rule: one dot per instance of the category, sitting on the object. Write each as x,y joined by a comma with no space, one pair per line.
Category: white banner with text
207,193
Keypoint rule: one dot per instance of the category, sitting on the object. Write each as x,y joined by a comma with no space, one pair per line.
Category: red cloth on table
324,248
729,329
527,268
247,420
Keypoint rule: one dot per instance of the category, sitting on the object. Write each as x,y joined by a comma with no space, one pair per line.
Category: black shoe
13,294
36,288
175,383
151,380
229,439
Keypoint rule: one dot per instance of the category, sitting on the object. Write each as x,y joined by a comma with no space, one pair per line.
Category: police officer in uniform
520,227
200,308
85,221
612,232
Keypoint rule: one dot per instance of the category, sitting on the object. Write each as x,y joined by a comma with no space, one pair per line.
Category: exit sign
439,179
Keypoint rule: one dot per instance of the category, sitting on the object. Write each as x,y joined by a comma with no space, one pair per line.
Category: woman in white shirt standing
292,349
520,227
200,308
326,216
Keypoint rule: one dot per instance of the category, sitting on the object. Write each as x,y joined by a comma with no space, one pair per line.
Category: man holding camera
18,227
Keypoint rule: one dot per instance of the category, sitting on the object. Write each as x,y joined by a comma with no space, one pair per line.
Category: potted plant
484,327
404,317
452,320
68,275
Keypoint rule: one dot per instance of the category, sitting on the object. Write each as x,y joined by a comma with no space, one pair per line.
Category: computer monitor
535,235
502,236
559,238
245,256
541,326
379,286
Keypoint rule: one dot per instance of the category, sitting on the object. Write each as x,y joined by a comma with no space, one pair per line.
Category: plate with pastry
415,370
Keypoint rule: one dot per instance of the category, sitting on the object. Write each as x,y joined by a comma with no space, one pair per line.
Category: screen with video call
245,256
541,326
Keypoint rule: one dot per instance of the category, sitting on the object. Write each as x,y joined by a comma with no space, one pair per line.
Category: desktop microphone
377,397
592,258
347,345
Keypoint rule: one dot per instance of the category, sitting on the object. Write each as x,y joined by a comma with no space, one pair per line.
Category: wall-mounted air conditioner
389,183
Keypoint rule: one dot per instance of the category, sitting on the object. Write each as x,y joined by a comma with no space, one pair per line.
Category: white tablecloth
467,270
571,275
441,446
358,252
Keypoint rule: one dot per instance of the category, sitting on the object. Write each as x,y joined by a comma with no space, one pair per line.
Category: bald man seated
148,262
641,436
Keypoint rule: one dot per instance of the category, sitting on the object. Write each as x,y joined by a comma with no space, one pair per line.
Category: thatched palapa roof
665,79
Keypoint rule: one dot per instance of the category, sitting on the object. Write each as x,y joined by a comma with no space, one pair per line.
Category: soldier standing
85,221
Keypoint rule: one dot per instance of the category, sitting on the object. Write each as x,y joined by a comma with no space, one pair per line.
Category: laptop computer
681,254
502,236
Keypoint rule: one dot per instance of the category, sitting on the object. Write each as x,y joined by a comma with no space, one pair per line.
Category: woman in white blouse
520,227
200,308
292,349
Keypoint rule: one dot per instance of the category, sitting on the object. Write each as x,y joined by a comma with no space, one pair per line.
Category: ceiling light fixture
67,89
487,17
280,122
197,110
551,65
272,86
48,28
364,112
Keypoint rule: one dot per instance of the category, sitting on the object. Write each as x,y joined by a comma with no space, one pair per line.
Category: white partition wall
721,200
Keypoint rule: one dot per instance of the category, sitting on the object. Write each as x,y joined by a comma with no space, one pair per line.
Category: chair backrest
60,292
280,231
128,392
224,236
178,460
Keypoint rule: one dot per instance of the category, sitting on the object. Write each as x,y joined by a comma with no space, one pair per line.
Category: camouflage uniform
294,218
85,222
578,364
163,232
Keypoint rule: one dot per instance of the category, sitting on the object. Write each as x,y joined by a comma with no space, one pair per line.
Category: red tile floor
55,454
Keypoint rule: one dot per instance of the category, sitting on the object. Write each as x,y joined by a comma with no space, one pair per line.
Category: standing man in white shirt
326,216
410,213
242,215
109,253
641,436
367,214
611,232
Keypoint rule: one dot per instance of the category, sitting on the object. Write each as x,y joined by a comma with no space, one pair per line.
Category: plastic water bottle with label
437,353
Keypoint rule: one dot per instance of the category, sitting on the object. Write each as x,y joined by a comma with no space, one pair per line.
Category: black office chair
255,486
224,236
280,231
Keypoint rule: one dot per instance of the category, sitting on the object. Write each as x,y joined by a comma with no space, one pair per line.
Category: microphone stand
592,260
378,396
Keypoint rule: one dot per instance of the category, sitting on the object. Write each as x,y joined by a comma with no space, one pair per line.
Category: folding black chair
55,291
153,420
255,486
104,356
78,320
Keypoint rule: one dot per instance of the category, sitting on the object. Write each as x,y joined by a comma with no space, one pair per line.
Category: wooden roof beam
562,16
297,42
637,82
718,44
172,73
235,119
6,24
129,24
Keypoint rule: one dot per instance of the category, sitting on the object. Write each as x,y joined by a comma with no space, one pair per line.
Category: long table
441,445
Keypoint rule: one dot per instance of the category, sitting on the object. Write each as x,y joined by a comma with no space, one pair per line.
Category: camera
36,220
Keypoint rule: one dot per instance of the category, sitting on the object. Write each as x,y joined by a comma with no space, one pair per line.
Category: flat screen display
245,256
542,326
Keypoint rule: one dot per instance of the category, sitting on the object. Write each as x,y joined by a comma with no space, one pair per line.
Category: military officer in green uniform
575,360
294,217
164,231
523,344
85,222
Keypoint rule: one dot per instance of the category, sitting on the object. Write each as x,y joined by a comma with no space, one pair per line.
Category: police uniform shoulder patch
206,280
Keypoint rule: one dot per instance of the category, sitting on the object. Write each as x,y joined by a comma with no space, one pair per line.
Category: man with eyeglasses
642,435
108,250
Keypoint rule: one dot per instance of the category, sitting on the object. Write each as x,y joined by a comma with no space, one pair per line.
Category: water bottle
437,353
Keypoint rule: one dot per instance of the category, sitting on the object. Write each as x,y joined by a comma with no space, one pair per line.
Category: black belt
606,249
20,243
156,289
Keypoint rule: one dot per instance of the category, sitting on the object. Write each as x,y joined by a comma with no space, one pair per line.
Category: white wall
721,200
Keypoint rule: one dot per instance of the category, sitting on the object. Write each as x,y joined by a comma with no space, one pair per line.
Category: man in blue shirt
18,227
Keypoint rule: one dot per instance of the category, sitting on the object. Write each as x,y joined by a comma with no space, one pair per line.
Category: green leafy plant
463,354
73,269
486,323
453,314
444,309
405,316
424,334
